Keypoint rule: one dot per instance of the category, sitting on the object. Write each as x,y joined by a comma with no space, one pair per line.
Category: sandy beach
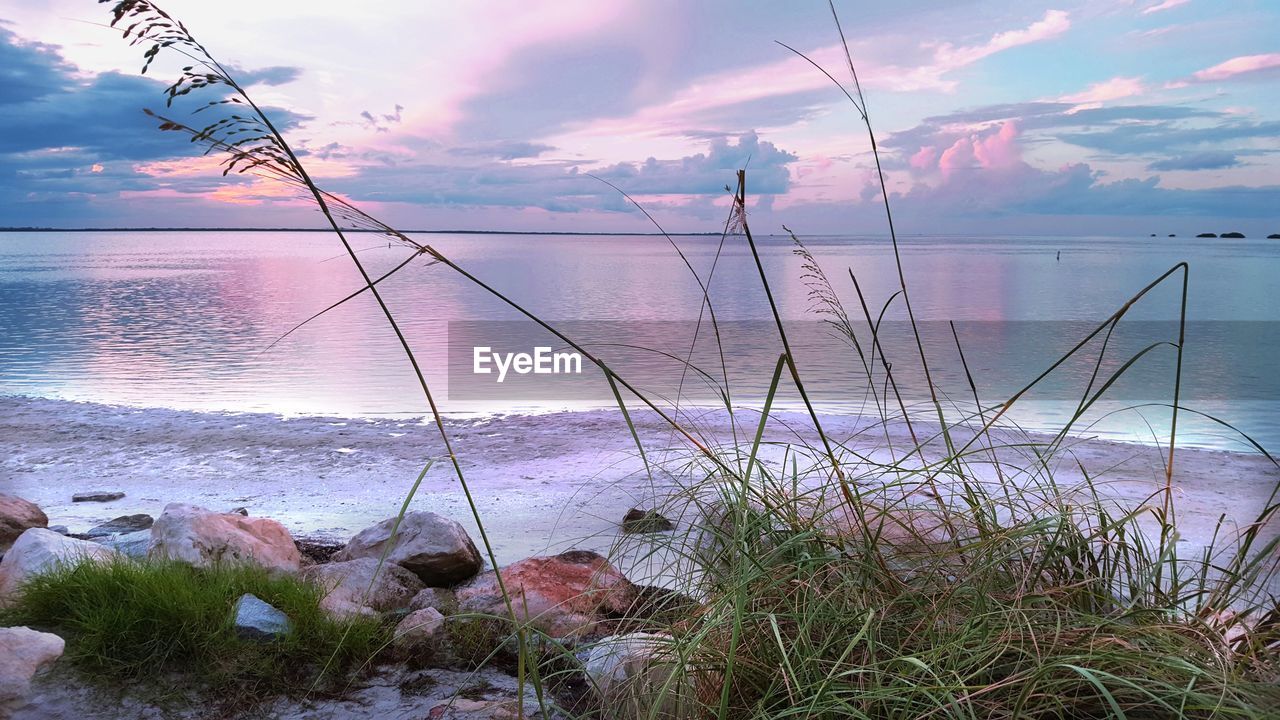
543,483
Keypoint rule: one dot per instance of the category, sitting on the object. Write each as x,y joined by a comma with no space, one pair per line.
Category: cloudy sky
1082,117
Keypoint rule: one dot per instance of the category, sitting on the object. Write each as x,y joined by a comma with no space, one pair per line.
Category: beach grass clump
145,620
1051,614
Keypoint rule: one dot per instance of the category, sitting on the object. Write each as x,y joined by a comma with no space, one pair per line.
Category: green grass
144,620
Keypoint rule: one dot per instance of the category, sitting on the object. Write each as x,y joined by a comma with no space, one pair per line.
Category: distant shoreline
329,230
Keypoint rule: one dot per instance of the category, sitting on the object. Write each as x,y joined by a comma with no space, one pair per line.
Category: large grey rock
202,538
435,548
361,583
16,517
639,675
39,551
23,653
563,595
257,620
132,544
122,524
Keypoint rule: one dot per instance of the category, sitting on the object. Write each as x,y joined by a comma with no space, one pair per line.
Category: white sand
541,482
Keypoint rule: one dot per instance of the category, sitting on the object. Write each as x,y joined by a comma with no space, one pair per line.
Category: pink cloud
1113,89
1165,5
994,149
793,75
1054,23
1238,66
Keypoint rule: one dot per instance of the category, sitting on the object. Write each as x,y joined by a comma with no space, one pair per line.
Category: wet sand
542,483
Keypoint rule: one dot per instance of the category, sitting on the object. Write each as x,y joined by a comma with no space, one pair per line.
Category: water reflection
184,320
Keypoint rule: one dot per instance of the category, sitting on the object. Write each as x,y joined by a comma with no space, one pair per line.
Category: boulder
131,544
122,524
435,548
361,583
1232,235
645,521
438,598
39,551
1207,235
633,674
1274,236
23,653
419,630
16,517
563,595
202,538
257,620
97,496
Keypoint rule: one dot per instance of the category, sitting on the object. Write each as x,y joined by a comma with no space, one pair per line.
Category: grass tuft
144,620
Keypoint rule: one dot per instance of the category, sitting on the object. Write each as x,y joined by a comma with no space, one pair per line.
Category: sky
1082,118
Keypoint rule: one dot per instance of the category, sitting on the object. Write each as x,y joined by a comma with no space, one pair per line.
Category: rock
563,595
434,547
438,598
60,529
1207,235
38,551
1232,235
633,674
133,544
239,511
97,496
122,524
1172,235
202,538
419,630
256,620
358,583
16,517
645,521
317,551
1274,236
23,653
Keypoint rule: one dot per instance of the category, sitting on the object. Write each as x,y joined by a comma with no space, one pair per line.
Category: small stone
257,620
98,496
60,529
122,524
239,511
645,521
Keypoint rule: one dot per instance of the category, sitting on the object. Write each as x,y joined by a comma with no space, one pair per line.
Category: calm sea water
185,320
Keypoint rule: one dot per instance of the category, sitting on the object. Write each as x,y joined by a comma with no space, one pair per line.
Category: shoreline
542,483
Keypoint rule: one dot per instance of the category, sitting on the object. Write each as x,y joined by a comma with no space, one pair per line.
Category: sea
1049,333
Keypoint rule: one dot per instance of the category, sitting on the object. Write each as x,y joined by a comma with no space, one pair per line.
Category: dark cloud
1197,161
68,141
28,70
274,75
563,187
